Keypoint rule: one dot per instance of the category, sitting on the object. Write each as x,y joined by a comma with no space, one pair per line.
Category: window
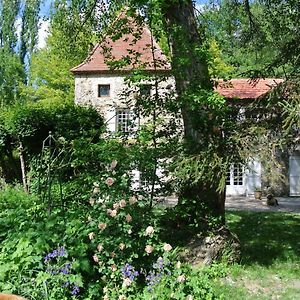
145,90
103,90
235,175
124,120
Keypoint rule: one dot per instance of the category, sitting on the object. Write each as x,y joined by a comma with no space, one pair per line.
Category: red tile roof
246,88
133,47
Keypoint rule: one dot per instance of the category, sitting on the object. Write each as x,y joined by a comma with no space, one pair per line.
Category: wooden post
23,170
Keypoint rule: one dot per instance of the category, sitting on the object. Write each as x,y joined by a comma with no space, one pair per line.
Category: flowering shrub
124,236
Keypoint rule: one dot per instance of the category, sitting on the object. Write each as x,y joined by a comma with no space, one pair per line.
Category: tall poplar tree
18,39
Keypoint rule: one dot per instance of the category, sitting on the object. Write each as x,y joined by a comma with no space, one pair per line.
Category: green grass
270,265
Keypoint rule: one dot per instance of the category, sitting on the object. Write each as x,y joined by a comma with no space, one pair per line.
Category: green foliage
18,36
11,74
31,124
184,282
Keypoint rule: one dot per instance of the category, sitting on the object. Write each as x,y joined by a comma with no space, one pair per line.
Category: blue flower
128,271
75,290
59,252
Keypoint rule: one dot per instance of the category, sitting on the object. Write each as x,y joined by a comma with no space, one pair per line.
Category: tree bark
190,67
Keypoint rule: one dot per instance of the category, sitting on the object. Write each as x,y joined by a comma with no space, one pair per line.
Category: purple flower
128,271
59,252
75,290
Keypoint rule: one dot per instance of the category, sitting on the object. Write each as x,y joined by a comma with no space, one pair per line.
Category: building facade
102,81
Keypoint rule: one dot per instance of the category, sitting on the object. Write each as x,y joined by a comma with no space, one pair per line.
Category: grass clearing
270,265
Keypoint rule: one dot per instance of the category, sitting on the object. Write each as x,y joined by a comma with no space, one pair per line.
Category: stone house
101,81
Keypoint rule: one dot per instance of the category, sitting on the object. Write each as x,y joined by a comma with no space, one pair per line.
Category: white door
295,175
236,181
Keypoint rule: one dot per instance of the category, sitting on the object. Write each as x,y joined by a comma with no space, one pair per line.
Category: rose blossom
102,226
113,164
122,246
128,218
122,203
178,265
189,297
92,201
99,247
95,258
113,213
109,181
181,278
149,230
167,247
129,231
149,249
116,205
100,200
122,297
126,282
114,268
96,190
132,200
91,235
112,254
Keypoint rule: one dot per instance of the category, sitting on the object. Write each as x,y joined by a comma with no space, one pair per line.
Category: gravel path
286,204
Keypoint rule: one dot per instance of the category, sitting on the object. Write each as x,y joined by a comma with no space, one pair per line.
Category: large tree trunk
200,203
191,75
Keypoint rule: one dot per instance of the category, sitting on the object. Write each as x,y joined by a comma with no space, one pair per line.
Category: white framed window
103,90
124,120
235,175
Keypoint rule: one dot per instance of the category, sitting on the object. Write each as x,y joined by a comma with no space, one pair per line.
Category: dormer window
103,90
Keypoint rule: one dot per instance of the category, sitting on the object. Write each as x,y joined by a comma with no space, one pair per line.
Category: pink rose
122,246
122,203
126,282
132,200
91,235
99,247
102,226
149,230
116,205
113,213
114,268
128,218
149,249
109,181
95,258
167,247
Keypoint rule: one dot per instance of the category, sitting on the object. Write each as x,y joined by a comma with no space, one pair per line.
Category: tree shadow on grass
266,237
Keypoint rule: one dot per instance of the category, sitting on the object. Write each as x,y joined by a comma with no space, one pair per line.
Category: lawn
270,265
